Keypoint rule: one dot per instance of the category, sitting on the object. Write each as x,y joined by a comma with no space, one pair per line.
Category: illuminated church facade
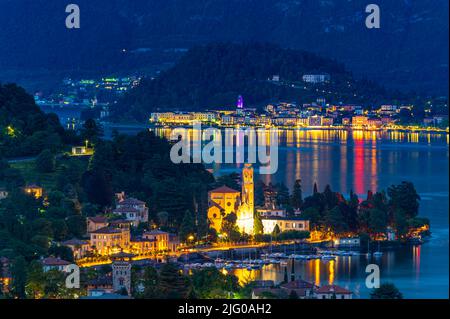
224,201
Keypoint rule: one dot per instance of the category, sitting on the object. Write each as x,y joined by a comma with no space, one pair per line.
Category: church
224,201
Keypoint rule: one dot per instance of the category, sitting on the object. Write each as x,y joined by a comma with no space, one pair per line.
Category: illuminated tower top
240,102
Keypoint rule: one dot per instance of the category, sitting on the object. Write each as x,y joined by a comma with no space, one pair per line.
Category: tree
401,222
230,228
35,286
313,215
335,220
151,283
98,187
187,227
293,295
386,291
276,231
45,162
297,196
377,221
282,197
163,218
258,227
315,190
210,283
285,276
404,197
230,180
91,131
19,277
173,284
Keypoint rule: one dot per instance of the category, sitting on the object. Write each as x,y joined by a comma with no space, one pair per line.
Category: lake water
362,161
370,160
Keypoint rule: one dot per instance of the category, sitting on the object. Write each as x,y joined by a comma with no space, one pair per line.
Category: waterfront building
79,247
284,224
110,240
95,223
204,116
333,292
348,242
360,121
133,210
52,263
174,242
227,120
327,121
302,121
346,121
267,213
374,122
142,246
161,238
387,110
387,120
315,120
285,121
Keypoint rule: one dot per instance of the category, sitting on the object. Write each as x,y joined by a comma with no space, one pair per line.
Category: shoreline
112,126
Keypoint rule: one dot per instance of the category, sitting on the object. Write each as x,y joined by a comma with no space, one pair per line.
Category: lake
362,161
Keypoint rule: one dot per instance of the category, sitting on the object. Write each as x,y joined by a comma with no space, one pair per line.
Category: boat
378,253
368,254
283,263
328,257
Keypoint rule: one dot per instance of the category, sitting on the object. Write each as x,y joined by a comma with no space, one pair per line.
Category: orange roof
98,219
224,189
332,289
52,261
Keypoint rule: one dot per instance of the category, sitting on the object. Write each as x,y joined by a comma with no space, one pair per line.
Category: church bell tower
248,186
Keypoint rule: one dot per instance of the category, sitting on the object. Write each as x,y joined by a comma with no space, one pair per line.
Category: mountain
409,51
24,129
212,76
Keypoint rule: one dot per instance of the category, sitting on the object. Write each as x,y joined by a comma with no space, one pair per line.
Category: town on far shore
94,98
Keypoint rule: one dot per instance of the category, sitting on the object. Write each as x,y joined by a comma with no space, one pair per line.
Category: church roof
224,189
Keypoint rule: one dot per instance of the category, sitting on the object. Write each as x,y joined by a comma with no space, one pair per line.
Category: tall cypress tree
297,196
315,191
187,227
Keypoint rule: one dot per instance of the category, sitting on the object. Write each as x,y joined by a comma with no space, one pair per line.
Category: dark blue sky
410,51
